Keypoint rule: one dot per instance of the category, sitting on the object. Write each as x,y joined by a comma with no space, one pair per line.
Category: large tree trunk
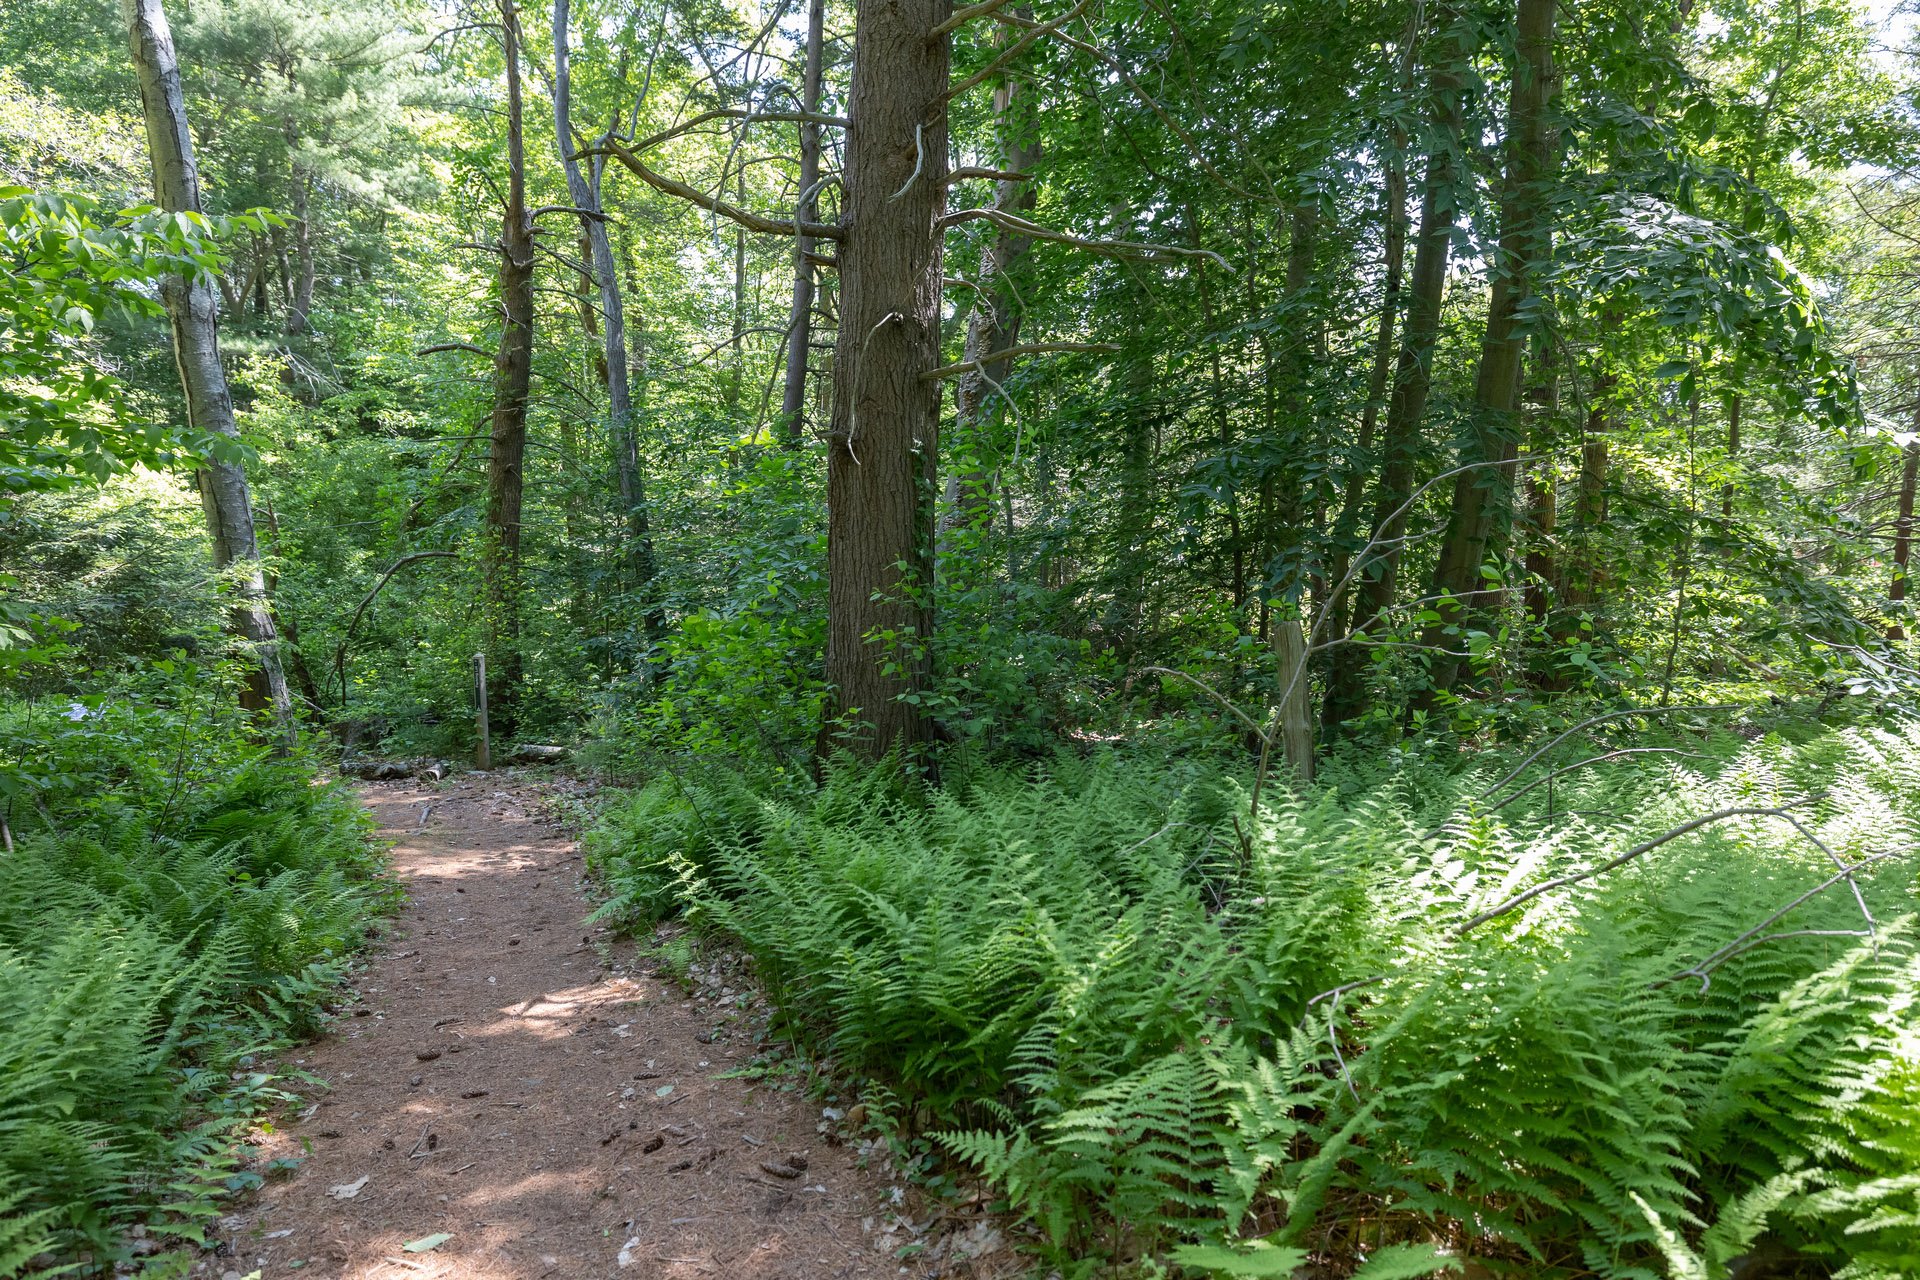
512,377
1482,498
1903,539
192,308
793,396
1347,693
994,323
884,438
584,190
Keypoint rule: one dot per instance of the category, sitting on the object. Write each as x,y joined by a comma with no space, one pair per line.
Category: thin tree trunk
513,375
1903,539
1347,695
793,396
194,312
583,189
302,303
1482,498
994,323
884,439
1733,454
1286,628
1586,574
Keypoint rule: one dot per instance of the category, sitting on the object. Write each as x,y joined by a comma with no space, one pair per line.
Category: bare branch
1599,759
340,654
961,17
1705,968
595,214
1207,689
1009,353
438,347
1110,248
751,221
1600,719
966,172
1645,846
722,113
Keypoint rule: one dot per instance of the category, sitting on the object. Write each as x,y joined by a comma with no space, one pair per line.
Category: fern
1094,986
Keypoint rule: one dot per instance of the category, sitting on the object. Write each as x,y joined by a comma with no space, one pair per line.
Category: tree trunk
1903,541
583,189
1347,694
1287,625
302,302
1585,572
1482,498
994,323
512,377
192,308
884,440
793,397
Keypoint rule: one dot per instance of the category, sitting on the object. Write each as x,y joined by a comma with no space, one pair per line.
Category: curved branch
438,347
751,221
340,654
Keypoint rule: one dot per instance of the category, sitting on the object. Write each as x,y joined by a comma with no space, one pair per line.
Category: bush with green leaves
1177,1035
177,903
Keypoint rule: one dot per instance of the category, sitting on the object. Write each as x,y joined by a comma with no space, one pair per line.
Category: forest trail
508,1077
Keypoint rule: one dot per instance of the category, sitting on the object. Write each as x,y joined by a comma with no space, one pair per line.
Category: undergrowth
1101,984
186,906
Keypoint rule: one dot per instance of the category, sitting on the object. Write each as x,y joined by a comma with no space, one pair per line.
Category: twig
1705,968
1207,689
1646,846
1014,50
1599,759
961,17
340,654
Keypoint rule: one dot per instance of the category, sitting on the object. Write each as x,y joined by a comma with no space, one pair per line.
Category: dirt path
508,1079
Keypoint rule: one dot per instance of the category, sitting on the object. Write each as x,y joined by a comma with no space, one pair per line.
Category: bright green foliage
191,905
64,263
1093,982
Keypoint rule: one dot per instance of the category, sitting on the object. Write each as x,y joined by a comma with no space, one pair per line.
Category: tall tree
1482,497
793,398
193,309
884,440
1441,183
583,188
512,381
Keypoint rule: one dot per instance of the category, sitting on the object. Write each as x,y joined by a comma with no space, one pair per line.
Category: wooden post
482,754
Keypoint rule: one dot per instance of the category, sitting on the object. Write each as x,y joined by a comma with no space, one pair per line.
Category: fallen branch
1704,970
1646,846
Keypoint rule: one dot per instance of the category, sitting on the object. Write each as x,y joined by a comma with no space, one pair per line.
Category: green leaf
1262,1259
426,1244
1406,1261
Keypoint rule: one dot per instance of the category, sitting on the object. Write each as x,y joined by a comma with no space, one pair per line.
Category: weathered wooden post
483,755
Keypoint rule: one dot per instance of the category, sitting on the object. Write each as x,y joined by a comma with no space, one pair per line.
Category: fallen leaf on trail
348,1190
663,1091
427,1243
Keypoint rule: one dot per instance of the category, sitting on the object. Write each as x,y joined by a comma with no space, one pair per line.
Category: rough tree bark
793,397
883,440
583,189
512,378
1482,498
194,312
1287,625
1347,694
